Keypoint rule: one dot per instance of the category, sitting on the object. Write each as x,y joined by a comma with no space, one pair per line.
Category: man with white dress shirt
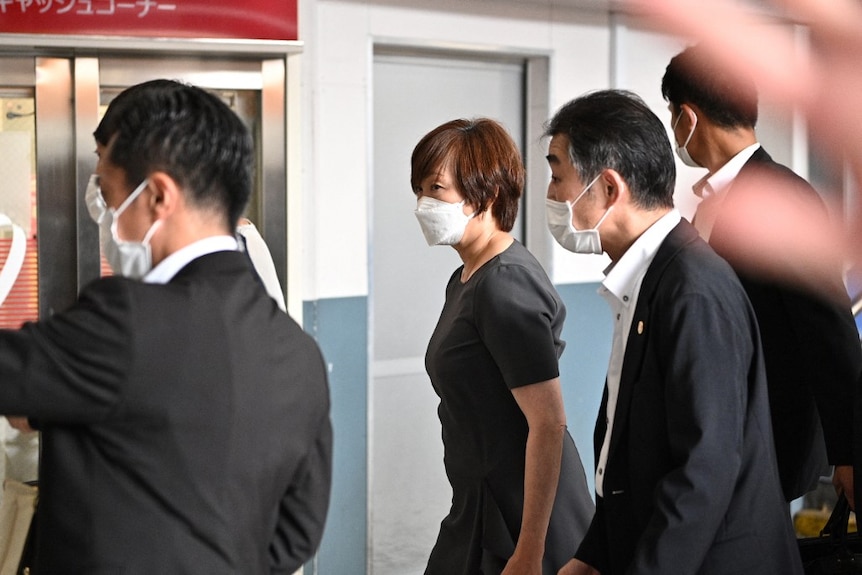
184,416
686,480
810,342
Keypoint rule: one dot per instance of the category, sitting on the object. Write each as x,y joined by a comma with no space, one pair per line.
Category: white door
413,94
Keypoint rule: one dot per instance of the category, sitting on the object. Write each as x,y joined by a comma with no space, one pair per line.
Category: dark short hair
615,129
485,161
186,132
728,98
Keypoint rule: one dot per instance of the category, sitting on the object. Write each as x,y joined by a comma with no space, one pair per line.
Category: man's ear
165,194
690,113
614,187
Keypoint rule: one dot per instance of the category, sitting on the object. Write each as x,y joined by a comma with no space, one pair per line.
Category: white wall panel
510,25
337,88
341,47
337,187
640,59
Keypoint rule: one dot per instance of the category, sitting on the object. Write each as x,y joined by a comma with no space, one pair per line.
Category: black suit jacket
185,427
690,484
812,353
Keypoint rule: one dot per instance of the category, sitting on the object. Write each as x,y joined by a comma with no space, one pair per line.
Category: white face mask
129,259
559,215
442,223
682,151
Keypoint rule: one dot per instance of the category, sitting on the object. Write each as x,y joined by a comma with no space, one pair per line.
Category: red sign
237,19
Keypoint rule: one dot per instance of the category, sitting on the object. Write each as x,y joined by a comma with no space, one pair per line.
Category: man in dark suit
810,342
185,418
686,479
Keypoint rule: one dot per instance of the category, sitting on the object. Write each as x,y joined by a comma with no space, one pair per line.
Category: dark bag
834,551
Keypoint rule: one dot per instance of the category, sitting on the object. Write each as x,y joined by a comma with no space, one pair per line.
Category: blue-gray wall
341,328
588,331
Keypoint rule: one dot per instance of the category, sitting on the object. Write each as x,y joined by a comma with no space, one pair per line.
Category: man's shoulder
107,290
684,244
762,163
686,261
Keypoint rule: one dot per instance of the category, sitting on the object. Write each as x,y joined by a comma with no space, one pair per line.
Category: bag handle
836,526
15,259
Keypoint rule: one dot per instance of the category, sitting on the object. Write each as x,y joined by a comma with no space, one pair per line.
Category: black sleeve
514,315
303,508
69,367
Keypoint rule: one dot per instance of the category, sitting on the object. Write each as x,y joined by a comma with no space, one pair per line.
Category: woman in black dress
520,502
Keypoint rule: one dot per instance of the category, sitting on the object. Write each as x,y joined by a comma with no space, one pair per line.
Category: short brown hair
485,161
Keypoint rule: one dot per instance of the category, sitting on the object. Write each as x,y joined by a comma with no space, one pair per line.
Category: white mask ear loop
150,232
590,185
15,259
607,212
595,227
132,197
693,126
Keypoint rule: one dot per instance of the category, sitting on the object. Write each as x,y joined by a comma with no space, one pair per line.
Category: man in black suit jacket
185,418
686,479
810,342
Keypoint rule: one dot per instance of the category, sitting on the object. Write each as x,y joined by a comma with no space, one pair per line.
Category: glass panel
246,104
20,451
18,201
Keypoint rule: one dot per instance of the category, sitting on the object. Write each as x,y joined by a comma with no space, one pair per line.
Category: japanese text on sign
165,19
86,7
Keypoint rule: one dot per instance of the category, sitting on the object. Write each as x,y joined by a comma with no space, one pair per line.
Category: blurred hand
20,423
842,479
517,567
823,82
577,567
783,237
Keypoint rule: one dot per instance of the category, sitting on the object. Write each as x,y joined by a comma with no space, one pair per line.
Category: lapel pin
640,327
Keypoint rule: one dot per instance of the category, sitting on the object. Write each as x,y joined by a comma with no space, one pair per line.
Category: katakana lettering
145,7
67,8
102,7
88,9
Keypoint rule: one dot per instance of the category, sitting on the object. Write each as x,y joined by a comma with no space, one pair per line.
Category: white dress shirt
168,267
713,189
620,289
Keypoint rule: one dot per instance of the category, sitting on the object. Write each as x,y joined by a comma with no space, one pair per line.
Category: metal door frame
66,81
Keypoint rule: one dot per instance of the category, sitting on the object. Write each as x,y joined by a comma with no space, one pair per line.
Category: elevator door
49,108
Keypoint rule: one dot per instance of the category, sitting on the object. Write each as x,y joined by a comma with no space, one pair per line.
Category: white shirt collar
622,277
168,267
720,180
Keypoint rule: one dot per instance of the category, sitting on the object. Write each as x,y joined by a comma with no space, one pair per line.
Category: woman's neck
487,245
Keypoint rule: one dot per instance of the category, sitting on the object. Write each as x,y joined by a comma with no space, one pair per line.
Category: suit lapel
759,160
642,323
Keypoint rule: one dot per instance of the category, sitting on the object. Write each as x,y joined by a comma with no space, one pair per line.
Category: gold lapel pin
640,327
